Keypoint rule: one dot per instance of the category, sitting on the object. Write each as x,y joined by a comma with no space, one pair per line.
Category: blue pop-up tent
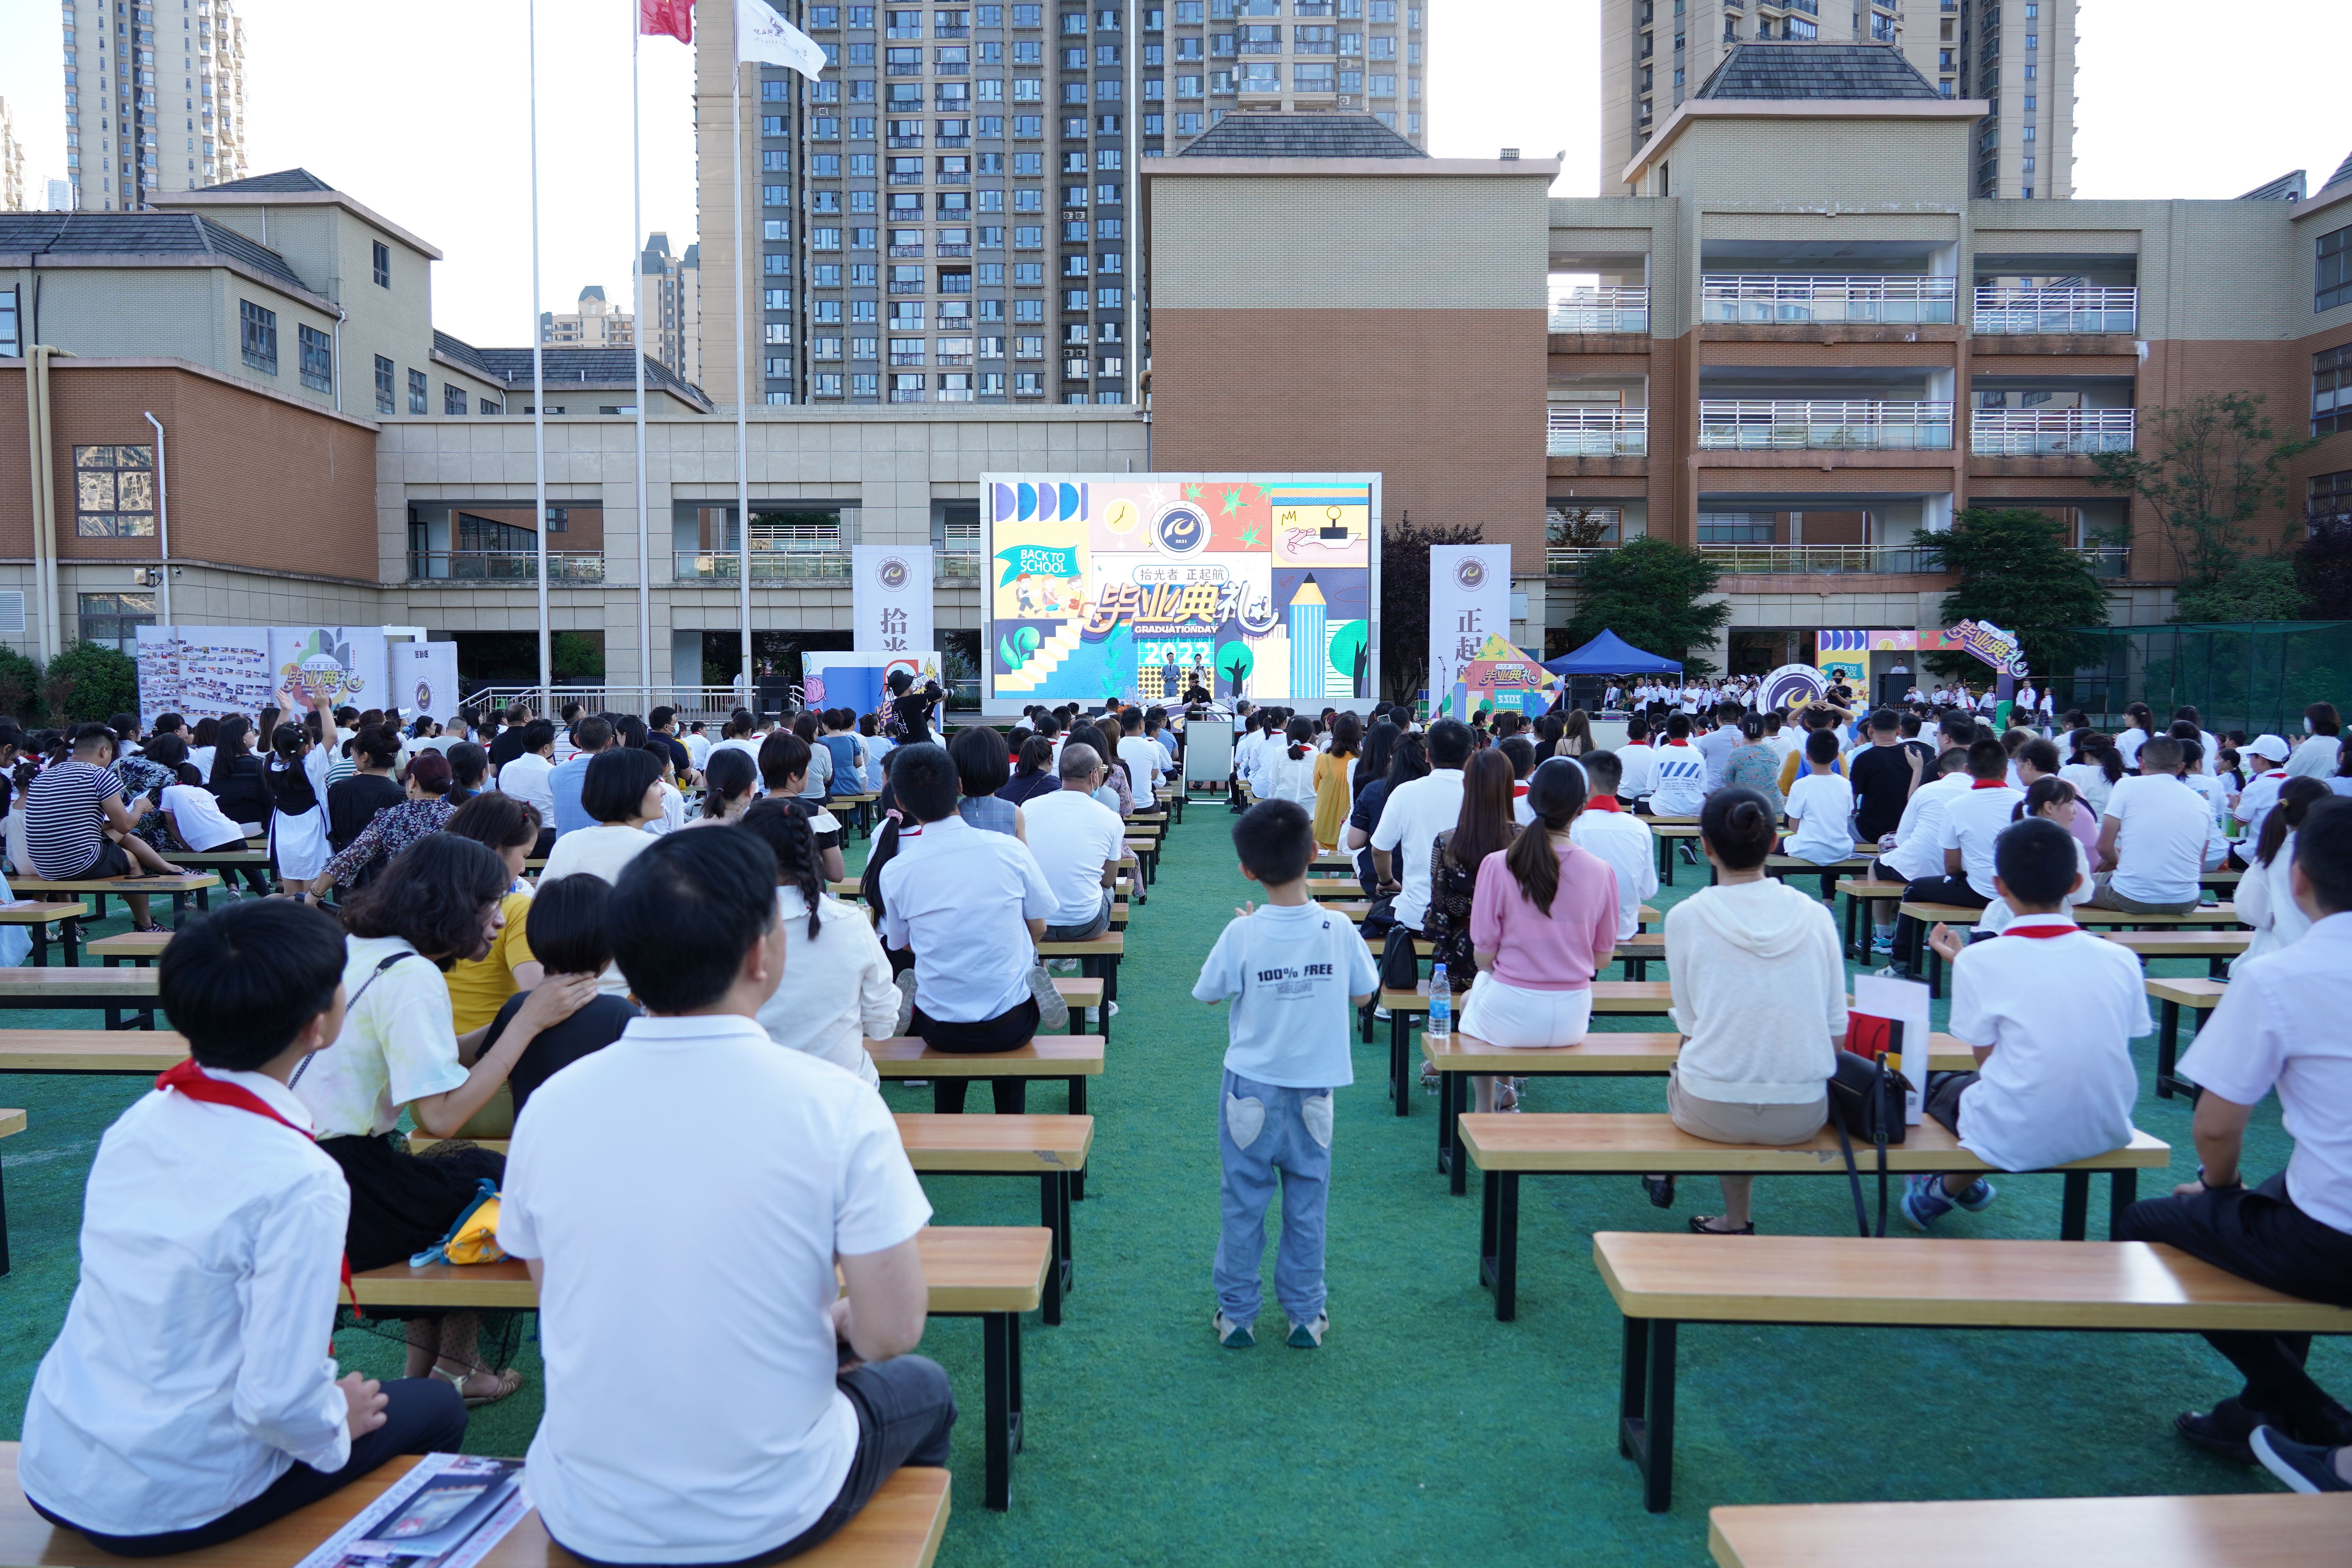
1610,654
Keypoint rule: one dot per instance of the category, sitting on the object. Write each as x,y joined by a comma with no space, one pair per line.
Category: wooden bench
139,947
900,1526
1781,868
179,888
2201,997
36,918
2227,1530
113,992
1097,960
1505,1148
1600,1054
1072,1059
861,810
993,1273
2215,947
1661,1281
141,1052
1959,916
1859,893
1636,998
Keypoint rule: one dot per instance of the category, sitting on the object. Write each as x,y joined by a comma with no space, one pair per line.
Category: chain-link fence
2255,676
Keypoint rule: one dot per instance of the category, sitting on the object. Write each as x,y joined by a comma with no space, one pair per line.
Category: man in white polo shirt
798,1168
1973,820
2285,1024
1078,843
1415,814
972,905
2153,837
1604,828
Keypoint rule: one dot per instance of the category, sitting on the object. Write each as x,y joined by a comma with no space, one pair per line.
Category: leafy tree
20,685
2323,566
576,655
1650,593
91,682
2210,471
2016,572
2259,588
1405,600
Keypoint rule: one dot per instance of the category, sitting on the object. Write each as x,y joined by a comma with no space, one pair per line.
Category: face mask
2307,726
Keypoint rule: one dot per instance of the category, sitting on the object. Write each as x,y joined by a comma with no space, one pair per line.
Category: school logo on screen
1181,529
1470,572
893,574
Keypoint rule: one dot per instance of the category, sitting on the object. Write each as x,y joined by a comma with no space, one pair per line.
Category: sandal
1699,1224
508,1381
1661,1189
1430,1077
1507,1096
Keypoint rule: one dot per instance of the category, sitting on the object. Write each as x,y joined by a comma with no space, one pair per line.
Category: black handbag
1400,961
1866,1103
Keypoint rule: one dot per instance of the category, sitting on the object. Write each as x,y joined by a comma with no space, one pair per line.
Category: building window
11,344
417,390
383,384
2331,498
258,336
114,491
318,358
492,406
114,619
2331,390
452,401
2335,271
383,265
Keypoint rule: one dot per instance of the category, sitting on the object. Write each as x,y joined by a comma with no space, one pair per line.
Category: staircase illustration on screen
1041,665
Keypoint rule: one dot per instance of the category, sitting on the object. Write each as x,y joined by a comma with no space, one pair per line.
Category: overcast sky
421,111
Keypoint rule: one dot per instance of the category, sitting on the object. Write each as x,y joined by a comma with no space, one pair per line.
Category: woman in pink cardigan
1543,922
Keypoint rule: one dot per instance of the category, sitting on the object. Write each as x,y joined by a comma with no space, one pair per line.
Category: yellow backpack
474,1238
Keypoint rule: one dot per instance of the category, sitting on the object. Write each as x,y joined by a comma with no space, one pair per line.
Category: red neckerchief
2021,929
1988,784
191,1080
1603,803
1678,743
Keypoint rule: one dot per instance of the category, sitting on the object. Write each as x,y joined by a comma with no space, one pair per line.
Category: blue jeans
1263,1130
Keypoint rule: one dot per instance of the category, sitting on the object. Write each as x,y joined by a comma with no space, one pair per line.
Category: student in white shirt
1078,843
2052,1012
1607,829
696,741
1820,805
2139,732
1972,821
1681,773
1413,816
839,993
525,775
1287,766
189,1398
622,794
1637,760
2285,1024
1916,855
2321,752
2265,898
972,905
2153,838
781,1447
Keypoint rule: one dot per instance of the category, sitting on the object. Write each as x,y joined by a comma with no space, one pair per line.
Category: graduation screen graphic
1142,586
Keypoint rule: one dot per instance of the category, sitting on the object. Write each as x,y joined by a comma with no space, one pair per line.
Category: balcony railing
1781,299
955,566
1601,310
1597,432
2050,432
2057,310
1865,424
504,566
1899,560
767,565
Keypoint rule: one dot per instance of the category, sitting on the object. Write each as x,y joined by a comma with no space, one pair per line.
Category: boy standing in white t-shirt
1295,974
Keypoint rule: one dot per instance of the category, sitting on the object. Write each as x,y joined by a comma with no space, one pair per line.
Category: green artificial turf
1423,1430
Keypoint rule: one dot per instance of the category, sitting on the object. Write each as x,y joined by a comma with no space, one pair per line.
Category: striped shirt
63,816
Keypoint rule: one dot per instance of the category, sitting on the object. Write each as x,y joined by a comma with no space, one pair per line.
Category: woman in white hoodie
2264,900
1759,997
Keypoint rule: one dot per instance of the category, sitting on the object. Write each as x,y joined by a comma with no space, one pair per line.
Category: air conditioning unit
1345,101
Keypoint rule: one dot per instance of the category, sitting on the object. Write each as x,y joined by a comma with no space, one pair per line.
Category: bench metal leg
1077,1108
2168,1046
40,946
1645,1429
4,1230
1666,859
1858,957
1054,1210
1400,1074
1000,1404
2123,1191
2073,1205
1504,1188
70,941
1489,1198
1453,1102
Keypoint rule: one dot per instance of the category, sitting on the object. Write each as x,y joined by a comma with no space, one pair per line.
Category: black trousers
904,1413
2258,1233
1004,1032
425,1415
1932,890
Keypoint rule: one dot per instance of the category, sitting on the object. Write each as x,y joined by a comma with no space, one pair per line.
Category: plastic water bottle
1441,1005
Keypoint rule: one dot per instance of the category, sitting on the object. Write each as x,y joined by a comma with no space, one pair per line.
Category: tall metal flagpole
538,373
637,278
743,436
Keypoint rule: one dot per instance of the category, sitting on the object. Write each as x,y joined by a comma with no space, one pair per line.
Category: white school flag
762,35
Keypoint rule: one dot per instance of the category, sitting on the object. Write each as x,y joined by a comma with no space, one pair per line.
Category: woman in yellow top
1335,779
478,987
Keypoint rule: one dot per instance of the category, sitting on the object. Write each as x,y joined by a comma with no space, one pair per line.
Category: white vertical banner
423,679
890,597
1469,601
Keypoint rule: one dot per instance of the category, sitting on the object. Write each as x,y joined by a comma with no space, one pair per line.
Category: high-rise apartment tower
2016,54
12,165
669,304
154,99
949,214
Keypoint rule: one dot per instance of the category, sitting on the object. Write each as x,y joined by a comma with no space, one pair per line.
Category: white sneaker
906,984
1053,1012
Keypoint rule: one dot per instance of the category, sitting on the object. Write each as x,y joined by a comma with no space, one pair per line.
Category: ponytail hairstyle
885,849
2294,804
781,825
1751,728
2110,758
1301,731
1485,824
1740,826
727,775
740,725
289,740
1556,793
2047,790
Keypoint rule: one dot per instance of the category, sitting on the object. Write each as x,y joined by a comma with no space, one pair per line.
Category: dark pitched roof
141,234
1300,136
567,367
1797,70
284,181
2343,172
2287,187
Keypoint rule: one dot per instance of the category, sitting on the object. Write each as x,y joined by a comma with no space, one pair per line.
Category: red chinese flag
674,18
